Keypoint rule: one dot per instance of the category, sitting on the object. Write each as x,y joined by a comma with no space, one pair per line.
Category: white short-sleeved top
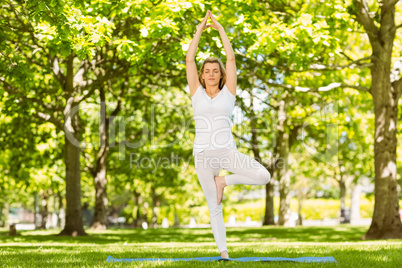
213,119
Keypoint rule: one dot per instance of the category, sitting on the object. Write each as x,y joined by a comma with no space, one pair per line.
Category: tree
322,37
39,64
386,90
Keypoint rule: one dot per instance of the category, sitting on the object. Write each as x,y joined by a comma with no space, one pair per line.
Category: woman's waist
212,118
212,125
210,136
210,132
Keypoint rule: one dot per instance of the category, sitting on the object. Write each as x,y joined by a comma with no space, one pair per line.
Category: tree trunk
154,222
176,218
344,218
137,203
299,209
55,216
13,230
44,210
100,169
100,179
74,225
36,211
144,216
101,200
269,188
1,217
60,213
6,215
355,203
282,164
284,199
269,218
386,222
155,204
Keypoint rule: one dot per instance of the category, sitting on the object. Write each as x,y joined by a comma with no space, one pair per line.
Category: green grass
42,249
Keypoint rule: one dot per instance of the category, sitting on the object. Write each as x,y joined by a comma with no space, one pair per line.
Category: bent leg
205,174
246,169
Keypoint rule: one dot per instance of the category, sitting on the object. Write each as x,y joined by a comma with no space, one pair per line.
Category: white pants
246,170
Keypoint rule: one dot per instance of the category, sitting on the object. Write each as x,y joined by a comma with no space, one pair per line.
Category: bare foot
220,185
224,254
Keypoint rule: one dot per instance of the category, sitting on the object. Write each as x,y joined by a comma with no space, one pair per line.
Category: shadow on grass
50,256
339,233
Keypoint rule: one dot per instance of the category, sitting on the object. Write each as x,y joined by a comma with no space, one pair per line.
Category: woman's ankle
224,254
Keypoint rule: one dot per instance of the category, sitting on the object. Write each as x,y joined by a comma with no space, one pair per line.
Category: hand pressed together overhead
215,24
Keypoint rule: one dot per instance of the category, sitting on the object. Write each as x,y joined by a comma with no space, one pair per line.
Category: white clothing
213,119
215,149
246,171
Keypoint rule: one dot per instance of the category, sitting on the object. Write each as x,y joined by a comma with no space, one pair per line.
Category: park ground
40,248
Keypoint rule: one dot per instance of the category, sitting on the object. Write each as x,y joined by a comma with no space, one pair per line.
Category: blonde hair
222,81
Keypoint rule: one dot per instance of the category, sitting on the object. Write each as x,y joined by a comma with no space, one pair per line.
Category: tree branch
46,105
326,88
86,96
57,71
399,26
293,134
364,18
89,166
49,118
398,88
27,28
390,3
116,110
30,59
271,164
241,138
12,90
354,64
274,107
99,81
118,107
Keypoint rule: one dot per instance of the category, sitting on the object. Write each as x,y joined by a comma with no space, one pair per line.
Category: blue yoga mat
244,259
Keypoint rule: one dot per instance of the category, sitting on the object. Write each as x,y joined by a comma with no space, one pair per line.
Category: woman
213,94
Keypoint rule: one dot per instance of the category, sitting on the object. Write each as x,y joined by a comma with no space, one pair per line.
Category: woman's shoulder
225,87
199,88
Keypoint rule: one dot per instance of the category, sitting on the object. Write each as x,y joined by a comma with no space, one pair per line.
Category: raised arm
191,67
231,70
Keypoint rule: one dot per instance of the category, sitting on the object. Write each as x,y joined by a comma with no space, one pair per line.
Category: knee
214,209
264,176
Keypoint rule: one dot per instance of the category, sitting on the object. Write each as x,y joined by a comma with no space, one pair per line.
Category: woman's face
212,74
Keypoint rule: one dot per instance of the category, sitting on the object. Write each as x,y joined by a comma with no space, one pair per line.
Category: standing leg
205,173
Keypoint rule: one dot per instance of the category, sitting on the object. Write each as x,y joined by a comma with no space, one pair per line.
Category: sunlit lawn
42,249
